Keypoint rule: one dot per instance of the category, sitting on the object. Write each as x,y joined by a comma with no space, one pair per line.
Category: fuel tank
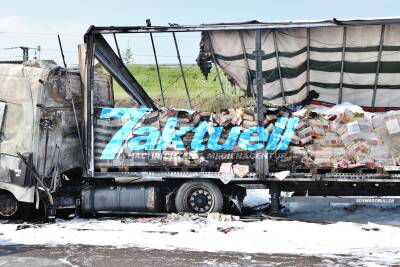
120,198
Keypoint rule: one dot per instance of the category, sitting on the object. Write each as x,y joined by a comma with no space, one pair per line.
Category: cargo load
340,137
345,137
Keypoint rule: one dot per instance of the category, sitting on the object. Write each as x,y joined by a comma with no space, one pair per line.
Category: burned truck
324,121
39,130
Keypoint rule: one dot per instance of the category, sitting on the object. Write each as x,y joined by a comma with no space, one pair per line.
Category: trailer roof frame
250,25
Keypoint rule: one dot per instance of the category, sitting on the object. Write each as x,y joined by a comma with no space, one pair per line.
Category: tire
8,204
12,209
199,197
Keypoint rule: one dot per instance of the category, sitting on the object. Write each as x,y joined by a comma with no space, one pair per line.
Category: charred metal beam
308,59
38,178
378,64
251,87
199,28
158,69
215,64
278,64
262,156
117,46
88,107
182,72
61,50
342,65
259,78
114,65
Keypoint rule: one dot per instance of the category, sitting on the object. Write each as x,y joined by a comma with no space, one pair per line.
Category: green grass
205,94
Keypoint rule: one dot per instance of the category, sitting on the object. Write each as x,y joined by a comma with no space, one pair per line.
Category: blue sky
33,23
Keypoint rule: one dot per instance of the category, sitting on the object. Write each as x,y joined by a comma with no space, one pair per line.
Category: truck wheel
8,204
11,208
199,197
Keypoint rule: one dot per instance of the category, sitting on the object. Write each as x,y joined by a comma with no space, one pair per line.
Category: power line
134,54
41,33
122,35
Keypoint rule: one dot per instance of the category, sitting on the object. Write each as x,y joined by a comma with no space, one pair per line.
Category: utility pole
25,51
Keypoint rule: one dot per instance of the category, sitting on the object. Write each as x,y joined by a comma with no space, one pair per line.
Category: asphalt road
73,255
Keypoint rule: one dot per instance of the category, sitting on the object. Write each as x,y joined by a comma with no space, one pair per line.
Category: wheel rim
200,200
8,204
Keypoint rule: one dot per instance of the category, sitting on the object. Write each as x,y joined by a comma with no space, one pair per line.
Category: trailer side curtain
340,63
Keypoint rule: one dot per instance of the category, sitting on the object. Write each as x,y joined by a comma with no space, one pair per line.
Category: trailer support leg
275,199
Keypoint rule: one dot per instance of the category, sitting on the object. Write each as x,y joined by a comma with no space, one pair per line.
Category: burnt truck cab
19,122
40,118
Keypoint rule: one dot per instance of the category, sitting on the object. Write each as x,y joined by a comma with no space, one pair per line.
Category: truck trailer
66,146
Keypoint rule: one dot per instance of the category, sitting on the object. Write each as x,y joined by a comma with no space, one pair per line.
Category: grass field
205,94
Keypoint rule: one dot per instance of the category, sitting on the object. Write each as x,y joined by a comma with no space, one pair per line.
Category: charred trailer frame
328,183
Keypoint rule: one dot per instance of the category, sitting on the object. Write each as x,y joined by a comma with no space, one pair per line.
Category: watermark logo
148,138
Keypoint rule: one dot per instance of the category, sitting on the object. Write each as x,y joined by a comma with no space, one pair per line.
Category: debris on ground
226,230
24,226
161,232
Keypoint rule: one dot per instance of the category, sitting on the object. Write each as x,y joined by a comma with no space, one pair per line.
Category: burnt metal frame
342,64
259,78
308,59
262,159
97,47
117,46
158,69
250,86
278,65
216,65
378,65
178,54
253,25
